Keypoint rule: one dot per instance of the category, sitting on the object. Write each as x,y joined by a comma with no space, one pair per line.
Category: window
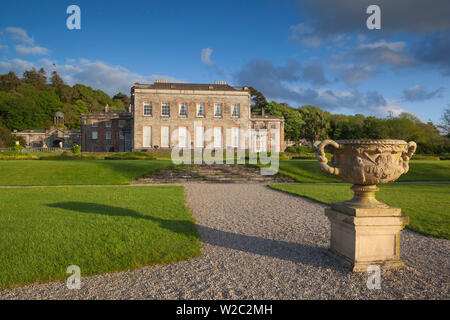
199,137
148,109
273,126
94,149
218,135
165,137
182,137
235,137
121,123
94,124
217,110
200,110
236,110
108,135
183,109
94,135
147,136
108,124
121,136
165,109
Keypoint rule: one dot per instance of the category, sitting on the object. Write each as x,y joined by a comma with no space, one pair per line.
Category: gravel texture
262,244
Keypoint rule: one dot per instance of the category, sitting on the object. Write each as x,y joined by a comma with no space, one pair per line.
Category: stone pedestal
366,236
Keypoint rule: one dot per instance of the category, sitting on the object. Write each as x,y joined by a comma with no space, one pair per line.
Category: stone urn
365,231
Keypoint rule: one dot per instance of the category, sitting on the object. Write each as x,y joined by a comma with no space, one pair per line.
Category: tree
9,82
315,124
445,122
258,100
292,119
38,79
56,80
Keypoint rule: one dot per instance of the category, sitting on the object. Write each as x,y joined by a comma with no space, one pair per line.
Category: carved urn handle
321,156
412,146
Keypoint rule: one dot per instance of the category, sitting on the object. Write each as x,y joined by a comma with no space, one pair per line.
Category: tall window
121,136
235,137
165,109
121,123
235,110
199,137
148,109
108,135
94,124
182,137
147,136
94,135
165,137
183,109
201,110
218,137
218,110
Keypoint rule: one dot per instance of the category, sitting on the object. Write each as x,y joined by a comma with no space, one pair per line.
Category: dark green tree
9,82
315,124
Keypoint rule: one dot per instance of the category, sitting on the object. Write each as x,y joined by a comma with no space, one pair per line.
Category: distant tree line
30,102
312,123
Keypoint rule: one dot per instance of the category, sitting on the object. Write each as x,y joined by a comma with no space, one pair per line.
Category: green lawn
308,171
427,204
75,172
100,229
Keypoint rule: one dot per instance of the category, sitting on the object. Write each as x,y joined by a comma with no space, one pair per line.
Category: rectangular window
121,123
94,149
94,124
235,137
165,109
108,135
183,109
217,110
148,109
236,110
108,124
94,135
200,110
121,136
147,136
165,137
182,137
199,137
218,137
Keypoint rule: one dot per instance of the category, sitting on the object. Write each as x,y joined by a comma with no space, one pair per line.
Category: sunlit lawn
99,229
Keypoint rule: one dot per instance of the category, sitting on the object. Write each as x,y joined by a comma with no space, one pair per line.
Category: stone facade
106,131
165,113
55,137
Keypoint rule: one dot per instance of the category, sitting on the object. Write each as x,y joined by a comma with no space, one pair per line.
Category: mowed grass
99,229
308,171
427,204
76,172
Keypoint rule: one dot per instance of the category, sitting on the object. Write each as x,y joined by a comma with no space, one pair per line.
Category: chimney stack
107,108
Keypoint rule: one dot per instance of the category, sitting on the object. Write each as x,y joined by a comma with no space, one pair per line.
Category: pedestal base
360,241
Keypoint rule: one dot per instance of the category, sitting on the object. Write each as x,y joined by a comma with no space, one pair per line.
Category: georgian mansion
164,115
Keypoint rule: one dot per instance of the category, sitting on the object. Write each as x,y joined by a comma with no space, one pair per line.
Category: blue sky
300,52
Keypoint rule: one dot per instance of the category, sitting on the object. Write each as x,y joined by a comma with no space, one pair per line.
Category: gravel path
262,244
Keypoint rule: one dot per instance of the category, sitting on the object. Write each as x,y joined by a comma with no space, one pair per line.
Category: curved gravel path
262,244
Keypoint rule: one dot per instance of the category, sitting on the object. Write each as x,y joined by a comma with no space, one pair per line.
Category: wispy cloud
418,93
205,56
18,34
35,50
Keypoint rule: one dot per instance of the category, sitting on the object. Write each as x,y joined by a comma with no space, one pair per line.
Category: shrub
17,148
76,149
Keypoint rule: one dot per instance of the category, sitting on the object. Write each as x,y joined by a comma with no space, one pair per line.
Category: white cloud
206,56
18,66
36,50
18,34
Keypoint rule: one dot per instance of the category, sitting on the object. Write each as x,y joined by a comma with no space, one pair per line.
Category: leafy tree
258,100
315,123
9,82
56,80
38,79
293,119
123,99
